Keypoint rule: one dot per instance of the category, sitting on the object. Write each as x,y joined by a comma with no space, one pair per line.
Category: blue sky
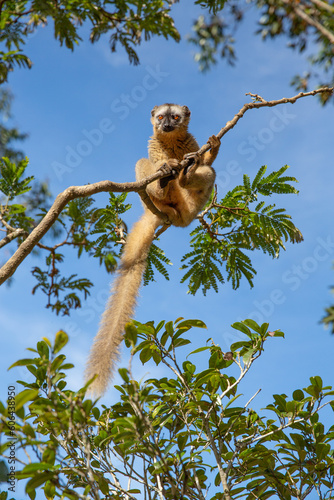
62,102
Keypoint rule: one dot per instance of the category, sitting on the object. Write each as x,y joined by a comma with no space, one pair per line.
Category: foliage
228,229
96,232
16,218
126,22
303,22
239,222
328,319
211,36
8,135
157,259
180,436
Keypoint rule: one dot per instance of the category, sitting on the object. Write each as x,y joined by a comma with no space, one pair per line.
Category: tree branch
263,103
74,192
323,5
11,236
299,10
59,204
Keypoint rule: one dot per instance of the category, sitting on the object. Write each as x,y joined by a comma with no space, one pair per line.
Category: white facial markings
176,110
162,110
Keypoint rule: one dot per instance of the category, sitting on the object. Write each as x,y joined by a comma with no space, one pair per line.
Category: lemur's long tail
121,304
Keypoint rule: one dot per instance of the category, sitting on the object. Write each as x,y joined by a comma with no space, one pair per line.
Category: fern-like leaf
156,259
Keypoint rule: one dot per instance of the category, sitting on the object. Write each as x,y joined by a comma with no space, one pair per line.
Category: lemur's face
169,117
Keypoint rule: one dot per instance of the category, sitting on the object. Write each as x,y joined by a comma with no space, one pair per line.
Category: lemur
180,196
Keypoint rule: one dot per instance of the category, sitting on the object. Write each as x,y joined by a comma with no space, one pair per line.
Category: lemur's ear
186,110
153,110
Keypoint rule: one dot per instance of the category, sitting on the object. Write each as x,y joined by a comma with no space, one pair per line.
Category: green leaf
200,349
241,326
37,480
23,397
31,468
43,349
131,334
104,485
322,450
23,362
181,342
156,259
60,341
298,395
57,363
253,325
3,472
247,356
189,323
11,183
124,374
145,355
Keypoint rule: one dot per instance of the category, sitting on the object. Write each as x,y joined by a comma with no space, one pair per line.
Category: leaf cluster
97,232
240,222
156,260
213,35
13,185
8,135
282,19
328,319
183,435
126,23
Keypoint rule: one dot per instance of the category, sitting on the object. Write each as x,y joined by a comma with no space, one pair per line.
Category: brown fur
181,198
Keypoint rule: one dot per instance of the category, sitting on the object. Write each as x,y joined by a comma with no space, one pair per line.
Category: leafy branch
127,24
181,435
97,231
231,226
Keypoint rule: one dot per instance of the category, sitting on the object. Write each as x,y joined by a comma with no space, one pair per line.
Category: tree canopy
128,24
180,436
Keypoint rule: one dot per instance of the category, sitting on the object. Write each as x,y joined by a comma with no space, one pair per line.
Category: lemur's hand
170,167
193,160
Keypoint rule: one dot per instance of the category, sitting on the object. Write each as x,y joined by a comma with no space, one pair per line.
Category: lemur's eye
176,117
160,117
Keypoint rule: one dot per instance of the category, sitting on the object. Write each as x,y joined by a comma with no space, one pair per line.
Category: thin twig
11,236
